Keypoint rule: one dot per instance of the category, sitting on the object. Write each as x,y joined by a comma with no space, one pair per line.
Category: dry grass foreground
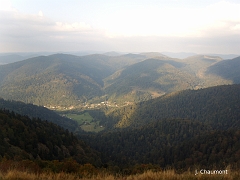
148,175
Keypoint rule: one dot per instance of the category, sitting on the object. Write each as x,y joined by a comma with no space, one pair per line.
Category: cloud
214,29
30,32
13,22
73,27
40,13
6,5
174,21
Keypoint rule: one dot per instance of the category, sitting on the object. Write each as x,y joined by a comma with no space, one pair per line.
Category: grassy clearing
148,175
85,121
92,127
81,118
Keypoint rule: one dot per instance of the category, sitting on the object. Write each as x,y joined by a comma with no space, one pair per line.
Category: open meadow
85,121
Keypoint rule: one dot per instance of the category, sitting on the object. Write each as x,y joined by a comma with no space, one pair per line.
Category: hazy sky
200,26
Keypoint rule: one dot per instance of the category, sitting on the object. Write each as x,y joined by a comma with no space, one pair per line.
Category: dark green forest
217,106
176,143
34,139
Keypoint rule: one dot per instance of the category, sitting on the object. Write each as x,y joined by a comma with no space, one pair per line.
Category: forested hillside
155,76
57,80
218,106
187,129
60,80
148,78
141,145
228,69
43,113
176,143
34,139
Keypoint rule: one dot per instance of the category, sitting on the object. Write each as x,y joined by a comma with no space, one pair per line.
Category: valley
85,121
122,114
75,84
119,90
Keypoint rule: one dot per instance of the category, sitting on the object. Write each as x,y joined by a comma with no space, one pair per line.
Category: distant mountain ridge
5,59
57,79
158,75
65,81
228,69
183,55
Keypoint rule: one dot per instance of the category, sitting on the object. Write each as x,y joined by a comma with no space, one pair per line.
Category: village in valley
80,113
85,106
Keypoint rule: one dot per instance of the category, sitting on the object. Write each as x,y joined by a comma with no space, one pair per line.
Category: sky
206,26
